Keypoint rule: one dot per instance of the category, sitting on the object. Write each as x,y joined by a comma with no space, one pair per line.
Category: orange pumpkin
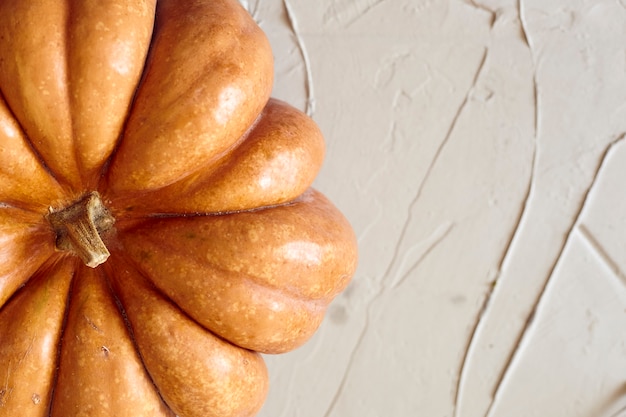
157,225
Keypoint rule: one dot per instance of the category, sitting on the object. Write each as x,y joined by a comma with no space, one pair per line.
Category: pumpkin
158,229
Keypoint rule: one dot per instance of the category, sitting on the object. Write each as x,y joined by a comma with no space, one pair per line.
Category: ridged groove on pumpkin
33,76
24,181
92,55
217,66
25,244
100,372
30,325
107,43
275,163
260,279
197,373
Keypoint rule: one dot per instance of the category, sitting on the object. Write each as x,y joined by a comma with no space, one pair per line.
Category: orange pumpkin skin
144,131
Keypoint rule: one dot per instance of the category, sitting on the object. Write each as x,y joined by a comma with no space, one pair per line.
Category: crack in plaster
432,242
357,347
314,346
516,347
438,236
492,13
485,308
293,26
529,194
527,40
453,124
574,226
484,311
601,253
469,349
433,162
594,243
523,24
375,218
403,234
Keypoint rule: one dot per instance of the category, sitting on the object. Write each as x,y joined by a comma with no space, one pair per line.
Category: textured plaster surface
478,148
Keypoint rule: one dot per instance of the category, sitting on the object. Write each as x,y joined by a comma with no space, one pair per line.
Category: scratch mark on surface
525,330
92,324
105,351
403,234
293,25
28,350
6,391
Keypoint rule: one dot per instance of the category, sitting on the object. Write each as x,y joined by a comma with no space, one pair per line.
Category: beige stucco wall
478,149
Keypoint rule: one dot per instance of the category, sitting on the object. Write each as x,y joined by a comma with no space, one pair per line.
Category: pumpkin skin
217,248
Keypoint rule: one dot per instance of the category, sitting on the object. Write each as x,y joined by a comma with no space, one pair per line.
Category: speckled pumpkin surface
157,225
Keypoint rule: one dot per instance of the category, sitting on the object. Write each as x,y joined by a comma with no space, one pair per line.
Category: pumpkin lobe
79,228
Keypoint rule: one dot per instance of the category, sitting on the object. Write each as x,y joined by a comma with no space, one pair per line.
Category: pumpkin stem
79,228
